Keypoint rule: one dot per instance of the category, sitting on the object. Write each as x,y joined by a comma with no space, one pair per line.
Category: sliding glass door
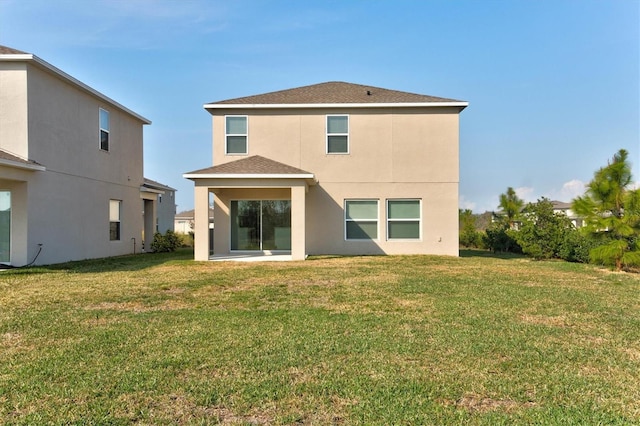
5,226
261,225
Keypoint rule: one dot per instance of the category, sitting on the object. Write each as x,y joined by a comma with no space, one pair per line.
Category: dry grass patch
480,404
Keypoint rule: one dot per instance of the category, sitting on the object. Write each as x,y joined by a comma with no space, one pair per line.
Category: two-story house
71,168
331,168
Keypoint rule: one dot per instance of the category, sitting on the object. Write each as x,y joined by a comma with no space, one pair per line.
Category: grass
160,339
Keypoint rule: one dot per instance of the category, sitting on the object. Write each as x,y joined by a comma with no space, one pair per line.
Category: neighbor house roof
152,184
335,93
190,214
251,167
11,160
8,54
4,50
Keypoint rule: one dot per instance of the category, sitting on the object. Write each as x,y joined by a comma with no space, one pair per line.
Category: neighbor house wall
65,208
13,108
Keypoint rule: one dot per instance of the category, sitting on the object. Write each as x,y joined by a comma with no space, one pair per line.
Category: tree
611,209
500,234
543,232
469,236
511,205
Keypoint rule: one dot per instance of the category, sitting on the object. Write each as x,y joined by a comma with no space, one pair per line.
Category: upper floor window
337,134
236,134
403,219
361,219
104,130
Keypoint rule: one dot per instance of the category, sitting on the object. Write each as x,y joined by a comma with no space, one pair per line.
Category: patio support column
298,220
201,223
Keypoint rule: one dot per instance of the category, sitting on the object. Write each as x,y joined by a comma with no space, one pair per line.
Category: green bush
542,231
165,243
499,237
576,247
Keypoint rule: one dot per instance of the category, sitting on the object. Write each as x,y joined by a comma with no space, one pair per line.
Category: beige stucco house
71,168
331,168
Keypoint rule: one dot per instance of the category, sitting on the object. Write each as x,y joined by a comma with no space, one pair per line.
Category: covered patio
260,210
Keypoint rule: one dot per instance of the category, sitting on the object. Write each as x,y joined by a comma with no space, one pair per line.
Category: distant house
332,168
71,168
561,207
162,199
184,221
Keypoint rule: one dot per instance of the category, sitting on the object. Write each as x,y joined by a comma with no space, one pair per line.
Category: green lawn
160,339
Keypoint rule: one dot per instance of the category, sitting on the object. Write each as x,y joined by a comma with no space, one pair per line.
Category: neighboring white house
184,221
561,207
71,168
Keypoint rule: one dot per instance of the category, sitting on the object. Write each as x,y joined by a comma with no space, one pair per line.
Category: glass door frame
284,217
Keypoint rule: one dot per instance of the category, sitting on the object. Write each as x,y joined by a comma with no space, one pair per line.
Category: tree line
609,208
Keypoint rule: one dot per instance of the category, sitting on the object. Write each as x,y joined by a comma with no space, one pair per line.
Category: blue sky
553,85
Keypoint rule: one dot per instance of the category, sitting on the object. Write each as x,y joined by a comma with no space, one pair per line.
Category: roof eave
20,165
247,176
456,104
57,71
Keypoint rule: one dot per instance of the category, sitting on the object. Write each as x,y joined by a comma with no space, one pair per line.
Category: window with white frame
361,219
104,130
236,134
403,219
337,134
115,207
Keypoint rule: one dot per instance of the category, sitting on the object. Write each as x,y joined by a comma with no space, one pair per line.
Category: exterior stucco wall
13,108
439,221
64,133
385,145
393,153
69,216
166,211
66,207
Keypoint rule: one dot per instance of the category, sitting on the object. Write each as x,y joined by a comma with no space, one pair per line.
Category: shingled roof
4,50
254,165
335,92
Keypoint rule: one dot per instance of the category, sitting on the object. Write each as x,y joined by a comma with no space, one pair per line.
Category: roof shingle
5,50
334,92
251,165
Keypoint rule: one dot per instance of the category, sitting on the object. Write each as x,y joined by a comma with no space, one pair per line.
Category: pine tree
611,209
511,205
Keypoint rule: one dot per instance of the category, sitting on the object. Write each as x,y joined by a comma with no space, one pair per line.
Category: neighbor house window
361,219
5,226
337,134
236,134
403,219
104,130
114,219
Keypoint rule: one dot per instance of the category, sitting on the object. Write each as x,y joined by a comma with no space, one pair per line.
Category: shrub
165,243
542,231
576,247
469,235
500,238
